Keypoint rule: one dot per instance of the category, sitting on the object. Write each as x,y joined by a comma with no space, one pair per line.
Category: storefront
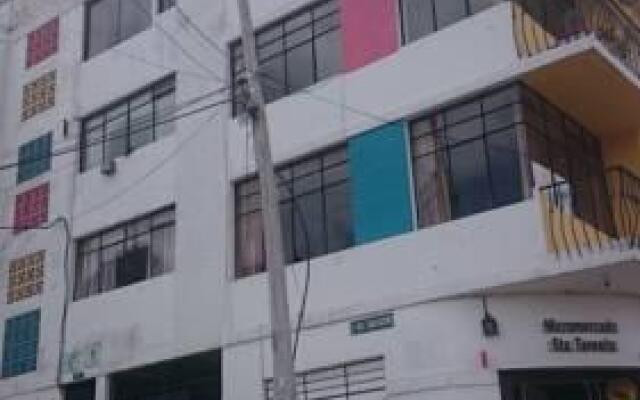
576,384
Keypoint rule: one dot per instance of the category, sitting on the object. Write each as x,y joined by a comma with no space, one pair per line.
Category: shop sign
573,341
371,324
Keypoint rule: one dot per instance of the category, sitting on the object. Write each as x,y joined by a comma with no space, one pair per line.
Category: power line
175,42
128,133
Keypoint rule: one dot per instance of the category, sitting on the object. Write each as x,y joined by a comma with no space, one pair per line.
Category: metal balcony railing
580,221
541,25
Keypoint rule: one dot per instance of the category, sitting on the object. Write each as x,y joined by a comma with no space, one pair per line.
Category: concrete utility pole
284,378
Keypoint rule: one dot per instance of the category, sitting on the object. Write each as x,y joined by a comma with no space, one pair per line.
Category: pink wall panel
369,31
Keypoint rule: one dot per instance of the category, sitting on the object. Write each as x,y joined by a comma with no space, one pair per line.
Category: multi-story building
459,197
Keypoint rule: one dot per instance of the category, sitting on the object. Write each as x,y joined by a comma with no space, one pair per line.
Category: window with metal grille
126,254
164,5
126,126
353,380
42,42
34,158
39,95
109,22
293,52
21,340
314,197
26,277
31,208
423,17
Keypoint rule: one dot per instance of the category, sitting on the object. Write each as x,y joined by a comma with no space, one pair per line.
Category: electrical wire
174,41
126,133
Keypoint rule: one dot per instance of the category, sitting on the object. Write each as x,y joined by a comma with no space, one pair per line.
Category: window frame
285,50
126,238
288,197
126,101
86,54
436,28
162,5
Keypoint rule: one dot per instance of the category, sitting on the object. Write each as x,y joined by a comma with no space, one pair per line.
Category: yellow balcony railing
579,221
541,25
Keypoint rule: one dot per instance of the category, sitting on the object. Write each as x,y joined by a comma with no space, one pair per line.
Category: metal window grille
352,380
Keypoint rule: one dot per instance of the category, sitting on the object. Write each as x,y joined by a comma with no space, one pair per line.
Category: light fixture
490,326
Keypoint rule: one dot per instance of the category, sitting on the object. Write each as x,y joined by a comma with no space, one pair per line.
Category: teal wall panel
380,183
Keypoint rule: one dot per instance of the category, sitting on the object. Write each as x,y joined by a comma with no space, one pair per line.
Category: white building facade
459,197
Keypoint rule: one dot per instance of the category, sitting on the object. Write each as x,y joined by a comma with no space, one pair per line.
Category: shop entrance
563,384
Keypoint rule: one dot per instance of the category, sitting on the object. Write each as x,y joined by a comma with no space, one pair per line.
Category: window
128,125
31,208
566,161
26,276
294,52
194,377
39,95
42,43
164,5
466,159
85,390
34,158
127,254
316,189
109,22
422,17
21,341
354,380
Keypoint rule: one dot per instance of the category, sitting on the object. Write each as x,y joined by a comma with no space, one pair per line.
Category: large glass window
422,17
127,254
294,52
465,158
128,125
21,341
314,205
109,22
469,158
567,161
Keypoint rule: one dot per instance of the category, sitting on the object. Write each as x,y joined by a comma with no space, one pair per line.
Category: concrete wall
199,306
424,359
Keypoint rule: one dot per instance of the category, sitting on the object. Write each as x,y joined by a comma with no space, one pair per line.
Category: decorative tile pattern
39,95
26,276
31,208
34,158
21,341
43,42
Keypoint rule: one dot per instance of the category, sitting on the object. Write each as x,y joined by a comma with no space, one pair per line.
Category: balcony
541,25
584,57
578,222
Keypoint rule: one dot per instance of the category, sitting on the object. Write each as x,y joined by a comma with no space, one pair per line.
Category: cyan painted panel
380,183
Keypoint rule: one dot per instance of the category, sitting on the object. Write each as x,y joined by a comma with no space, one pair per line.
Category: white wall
434,349
199,306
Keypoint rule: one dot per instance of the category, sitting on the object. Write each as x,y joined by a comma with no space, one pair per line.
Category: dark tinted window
315,209
422,17
109,22
294,52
